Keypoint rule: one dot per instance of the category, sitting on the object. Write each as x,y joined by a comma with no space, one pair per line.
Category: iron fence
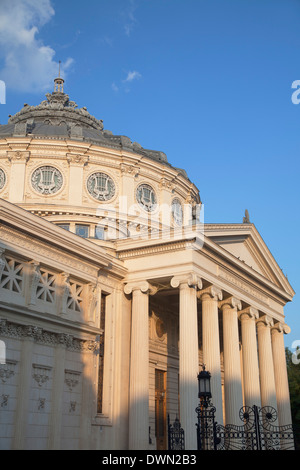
259,431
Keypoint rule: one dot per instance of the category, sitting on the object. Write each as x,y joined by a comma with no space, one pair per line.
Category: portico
221,324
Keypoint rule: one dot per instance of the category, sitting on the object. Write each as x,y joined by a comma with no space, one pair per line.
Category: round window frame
91,195
57,168
172,203
140,204
5,178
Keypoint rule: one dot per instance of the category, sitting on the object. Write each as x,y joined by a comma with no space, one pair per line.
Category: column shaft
24,384
281,377
266,367
55,427
88,399
232,365
139,373
188,363
250,358
211,349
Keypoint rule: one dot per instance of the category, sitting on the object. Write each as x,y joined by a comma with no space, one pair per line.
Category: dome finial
59,82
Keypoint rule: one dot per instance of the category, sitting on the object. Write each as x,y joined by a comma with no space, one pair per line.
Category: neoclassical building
114,292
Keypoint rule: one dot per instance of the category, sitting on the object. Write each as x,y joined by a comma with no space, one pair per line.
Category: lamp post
204,390
205,413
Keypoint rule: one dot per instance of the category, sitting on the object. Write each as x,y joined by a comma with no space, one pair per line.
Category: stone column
55,426
18,160
266,366
88,396
76,163
188,354
250,357
232,365
211,344
139,365
24,386
280,372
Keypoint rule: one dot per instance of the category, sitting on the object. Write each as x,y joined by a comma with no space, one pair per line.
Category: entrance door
160,409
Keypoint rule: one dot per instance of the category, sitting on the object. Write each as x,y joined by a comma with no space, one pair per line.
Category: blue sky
208,82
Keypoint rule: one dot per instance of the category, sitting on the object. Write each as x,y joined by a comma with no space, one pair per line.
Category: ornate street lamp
205,413
204,390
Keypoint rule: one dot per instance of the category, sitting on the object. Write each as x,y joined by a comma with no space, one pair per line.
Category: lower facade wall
33,402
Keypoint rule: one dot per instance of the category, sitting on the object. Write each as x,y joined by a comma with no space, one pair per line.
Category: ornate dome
59,117
57,161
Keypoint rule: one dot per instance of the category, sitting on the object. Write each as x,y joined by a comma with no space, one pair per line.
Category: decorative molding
35,276
77,159
128,169
212,291
4,401
7,370
39,335
265,320
93,296
143,286
18,156
72,407
231,302
72,378
32,246
41,374
243,286
156,248
249,312
281,328
166,184
42,402
65,291
191,279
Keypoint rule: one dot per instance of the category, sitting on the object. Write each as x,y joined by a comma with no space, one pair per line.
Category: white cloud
115,87
124,84
28,64
132,76
128,17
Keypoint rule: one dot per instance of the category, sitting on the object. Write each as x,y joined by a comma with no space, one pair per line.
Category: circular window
146,197
2,179
101,186
177,211
47,180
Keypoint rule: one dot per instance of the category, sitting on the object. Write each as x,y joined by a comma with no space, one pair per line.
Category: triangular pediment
244,242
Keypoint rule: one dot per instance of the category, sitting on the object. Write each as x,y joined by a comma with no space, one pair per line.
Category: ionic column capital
18,156
249,312
192,280
281,328
143,286
265,320
212,291
77,159
231,302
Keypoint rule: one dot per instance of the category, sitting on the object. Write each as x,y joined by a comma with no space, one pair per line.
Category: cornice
22,224
233,265
114,154
257,243
81,340
116,146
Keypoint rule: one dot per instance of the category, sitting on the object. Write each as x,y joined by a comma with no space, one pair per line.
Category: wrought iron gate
259,431
175,435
